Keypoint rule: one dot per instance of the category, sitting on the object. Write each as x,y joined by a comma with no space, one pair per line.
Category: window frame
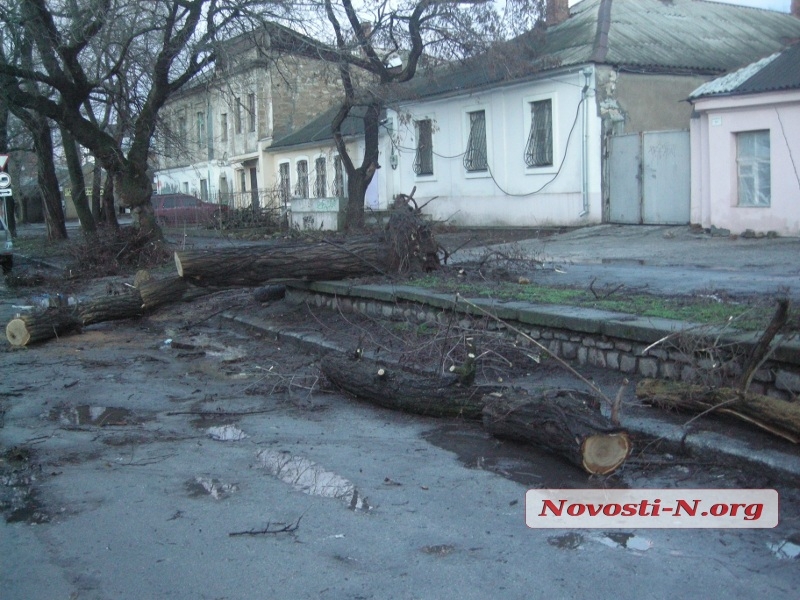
323,180
223,126
202,142
251,112
238,115
527,104
285,187
301,187
754,163
484,173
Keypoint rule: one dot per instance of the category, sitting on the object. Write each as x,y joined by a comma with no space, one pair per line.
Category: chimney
558,12
795,10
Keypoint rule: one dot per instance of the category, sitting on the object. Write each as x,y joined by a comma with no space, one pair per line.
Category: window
752,159
284,184
223,126
185,187
242,181
201,130
475,156
321,179
338,177
204,190
251,111
238,108
539,149
182,131
423,161
301,187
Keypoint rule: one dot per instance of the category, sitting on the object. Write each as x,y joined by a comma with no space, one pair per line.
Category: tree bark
77,183
256,265
565,422
154,293
391,387
777,416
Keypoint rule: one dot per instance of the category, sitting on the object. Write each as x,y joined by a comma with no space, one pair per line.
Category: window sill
477,174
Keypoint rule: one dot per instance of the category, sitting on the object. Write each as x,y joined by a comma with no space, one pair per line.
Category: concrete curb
669,433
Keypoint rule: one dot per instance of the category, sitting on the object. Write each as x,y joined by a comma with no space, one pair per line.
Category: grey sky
782,5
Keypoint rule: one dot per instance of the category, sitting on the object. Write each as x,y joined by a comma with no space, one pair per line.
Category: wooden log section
154,293
29,329
779,417
565,422
111,308
391,387
256,265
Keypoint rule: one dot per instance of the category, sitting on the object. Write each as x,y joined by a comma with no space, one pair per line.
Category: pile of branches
113,252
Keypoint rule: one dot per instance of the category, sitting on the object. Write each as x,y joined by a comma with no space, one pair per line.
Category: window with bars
284,184
539,149
423,160
251,111
338,177
301,187
754,171
321,178
475,158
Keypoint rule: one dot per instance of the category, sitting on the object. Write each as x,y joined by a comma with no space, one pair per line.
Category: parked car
173,210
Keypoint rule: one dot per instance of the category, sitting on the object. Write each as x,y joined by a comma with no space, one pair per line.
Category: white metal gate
649,178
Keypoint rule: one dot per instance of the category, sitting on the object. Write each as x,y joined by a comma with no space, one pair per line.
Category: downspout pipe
585,94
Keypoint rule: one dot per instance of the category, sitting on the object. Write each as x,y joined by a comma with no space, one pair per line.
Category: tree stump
391,387
565,422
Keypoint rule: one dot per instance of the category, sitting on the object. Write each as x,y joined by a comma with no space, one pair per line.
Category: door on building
649,178
254,187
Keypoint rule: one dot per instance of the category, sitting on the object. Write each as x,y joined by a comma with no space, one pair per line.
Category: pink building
745,146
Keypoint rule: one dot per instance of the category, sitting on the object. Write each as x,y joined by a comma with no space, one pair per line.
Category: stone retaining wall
582,336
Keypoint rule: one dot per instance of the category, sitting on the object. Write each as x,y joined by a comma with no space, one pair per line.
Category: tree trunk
358,179
777,416
48,181
256,265
133,189
393,388
97,190
109,210
77,183
29,329
565,422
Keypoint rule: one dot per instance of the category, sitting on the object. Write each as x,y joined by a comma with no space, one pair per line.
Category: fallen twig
292,527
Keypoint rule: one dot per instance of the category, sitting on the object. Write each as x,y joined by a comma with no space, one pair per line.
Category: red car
174,210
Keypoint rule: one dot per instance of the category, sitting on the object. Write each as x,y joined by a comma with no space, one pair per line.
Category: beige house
213,135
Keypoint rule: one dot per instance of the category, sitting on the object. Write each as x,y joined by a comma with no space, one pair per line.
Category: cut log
269,293
565,422
29,329
256,265
162,291
391,387
111,308
777,416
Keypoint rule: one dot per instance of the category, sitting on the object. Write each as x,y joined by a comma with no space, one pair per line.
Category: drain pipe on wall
585,94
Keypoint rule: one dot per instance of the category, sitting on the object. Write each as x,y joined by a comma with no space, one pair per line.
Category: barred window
754,171
301,187
539,149
423,161
475,157
321,179
338,177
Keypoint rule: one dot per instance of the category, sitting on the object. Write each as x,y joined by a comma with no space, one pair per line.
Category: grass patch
748,317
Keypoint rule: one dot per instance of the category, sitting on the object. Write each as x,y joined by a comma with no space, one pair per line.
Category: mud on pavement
179,456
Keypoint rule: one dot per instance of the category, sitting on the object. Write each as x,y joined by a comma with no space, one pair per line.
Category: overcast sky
782,5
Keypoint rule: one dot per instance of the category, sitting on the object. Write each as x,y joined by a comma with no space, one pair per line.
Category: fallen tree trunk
777,416
256,265
154,293
391,387
110,308
28,329
565,422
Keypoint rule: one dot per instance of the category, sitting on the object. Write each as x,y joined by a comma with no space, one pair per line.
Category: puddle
202,345
205,486
310,478
786,548
568,541
527,465
630,541
99,416
226,433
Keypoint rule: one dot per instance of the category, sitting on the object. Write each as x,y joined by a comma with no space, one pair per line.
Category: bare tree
148,49
377,44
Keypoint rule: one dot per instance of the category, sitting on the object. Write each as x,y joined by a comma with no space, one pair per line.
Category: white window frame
753,163
288,164
326,192
465,118
432,119
297,161
527,101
